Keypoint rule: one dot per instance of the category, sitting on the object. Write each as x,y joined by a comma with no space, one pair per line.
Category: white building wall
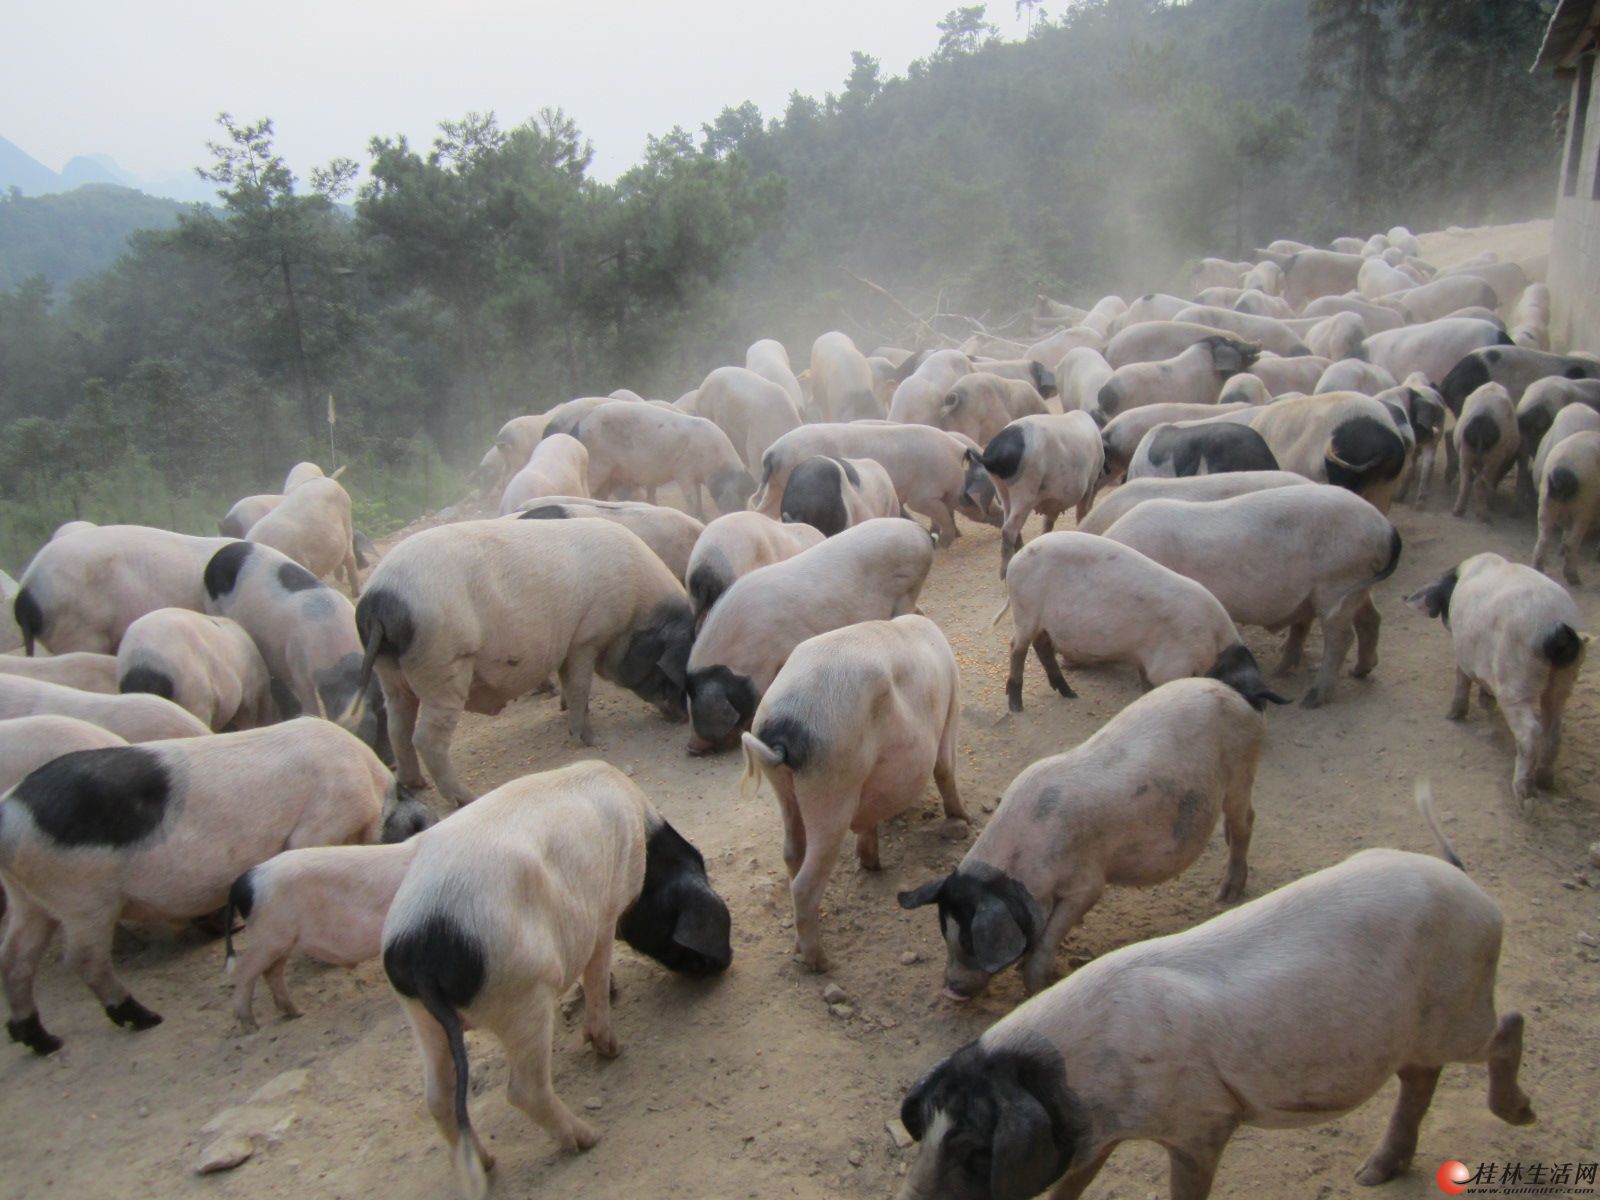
1575,243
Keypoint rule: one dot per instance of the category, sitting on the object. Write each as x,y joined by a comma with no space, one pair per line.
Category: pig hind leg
824,837
1338,631
400,702
1523,719
28,929
439,1080
1366,622
1507,1100
1553,705
944,766
88,952
527,1042
1239,818
1399,1143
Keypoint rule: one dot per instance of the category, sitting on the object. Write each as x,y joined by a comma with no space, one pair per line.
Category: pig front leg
1039,967
1294,647
597,997
577,677
1076,1181
527,1043
1194,1163
1393,1154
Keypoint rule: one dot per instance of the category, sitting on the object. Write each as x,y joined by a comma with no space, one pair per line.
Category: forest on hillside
489,274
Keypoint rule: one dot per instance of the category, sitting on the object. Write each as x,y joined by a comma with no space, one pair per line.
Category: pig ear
997,939
911,1114
699,930
719,710
926,894
1023,1157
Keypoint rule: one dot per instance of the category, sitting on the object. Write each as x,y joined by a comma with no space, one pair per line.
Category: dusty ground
748,1086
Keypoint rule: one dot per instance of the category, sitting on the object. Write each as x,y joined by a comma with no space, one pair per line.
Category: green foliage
70,235
488,274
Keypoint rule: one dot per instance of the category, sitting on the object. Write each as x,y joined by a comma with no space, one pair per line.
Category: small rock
1594,854
279,1086
1589,939
141,1109
834,994
856,1158
988,806
594,1103
910,957
224,1154
898,1134
843,1011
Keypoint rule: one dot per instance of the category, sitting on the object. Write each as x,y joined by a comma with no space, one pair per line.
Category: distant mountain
68,235
95,168
19,169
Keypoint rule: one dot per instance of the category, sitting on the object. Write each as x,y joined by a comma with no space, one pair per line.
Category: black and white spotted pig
1132,806
832,494
512,901
1266,1015
1206,447
159,832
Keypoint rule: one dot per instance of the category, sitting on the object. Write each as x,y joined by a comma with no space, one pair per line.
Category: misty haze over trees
488,274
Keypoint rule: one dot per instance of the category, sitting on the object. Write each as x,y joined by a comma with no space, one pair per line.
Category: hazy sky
143,81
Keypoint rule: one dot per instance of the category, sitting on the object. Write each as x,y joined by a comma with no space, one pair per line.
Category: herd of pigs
217,733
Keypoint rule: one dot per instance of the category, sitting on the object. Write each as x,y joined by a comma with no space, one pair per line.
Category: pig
1442,296
732,547
1530,318
1206,447
1217,272
1377,280
841,380
668,532
243,516
82,592
1541,401
770,360
1153,341
1036,375
1106,310
1429,420
930,469
1569,498
1486,441
1342,438
1152,306
1506,278
1338,336
1053,350
1195,376
1266,277
872,571
1049,464
1217,297
1433,348
1239,389
512,447
752,410
981,404
134,718
557,466
1376,317
326,902
1574,418
477,614
1256,303
1113,504
304,472
641,446
1266,1015
27,743
1091,600
1279,558
510,903
205,664
833,494
82,670
306,634
1309,274
1514,368
1515,634
1082,373
313,526
567,416
1122,434
1353,375
1132,806
848,734
160,832
1267,333
1280,375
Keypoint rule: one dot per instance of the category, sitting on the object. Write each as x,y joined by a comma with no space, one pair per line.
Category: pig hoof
605,1045
582,1136
1377,1171
32,1034
1315,698
1458,712
132,1015
246,1025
